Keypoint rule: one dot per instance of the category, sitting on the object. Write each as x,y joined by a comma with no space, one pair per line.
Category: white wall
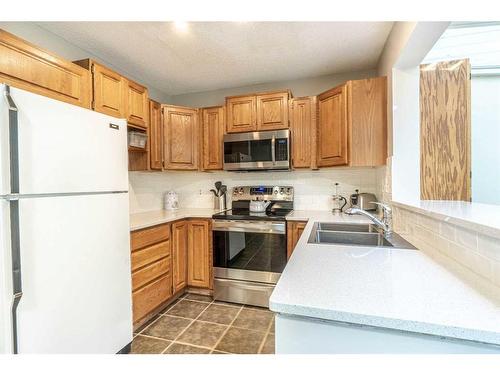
44,39
485,101
406,47
299,87
313,189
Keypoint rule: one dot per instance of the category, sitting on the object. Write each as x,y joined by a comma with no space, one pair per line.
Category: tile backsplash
474,250
313,189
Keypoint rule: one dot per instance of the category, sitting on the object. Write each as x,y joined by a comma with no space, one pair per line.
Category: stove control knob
282,191
288,191
241,191
235,191
275,192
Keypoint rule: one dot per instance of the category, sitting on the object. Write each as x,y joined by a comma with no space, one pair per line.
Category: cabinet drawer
151,296
145,237
150,254
150,272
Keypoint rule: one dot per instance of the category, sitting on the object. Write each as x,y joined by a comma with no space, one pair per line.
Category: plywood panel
445,164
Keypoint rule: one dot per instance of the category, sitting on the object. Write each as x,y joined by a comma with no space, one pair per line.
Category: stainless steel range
249,244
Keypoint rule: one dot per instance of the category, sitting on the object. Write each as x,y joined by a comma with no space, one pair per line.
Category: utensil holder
220,202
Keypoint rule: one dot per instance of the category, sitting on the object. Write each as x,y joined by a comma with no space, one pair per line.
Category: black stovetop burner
245,214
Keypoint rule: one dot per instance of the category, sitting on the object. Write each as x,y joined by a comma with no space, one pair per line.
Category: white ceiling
216,55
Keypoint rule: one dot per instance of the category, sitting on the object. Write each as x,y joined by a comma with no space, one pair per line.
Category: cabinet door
294,231
30,68
367,106
213,133
332,127
240,113
137,104
179,254
180,132
109,91
272,111
155,135
303,132
199,254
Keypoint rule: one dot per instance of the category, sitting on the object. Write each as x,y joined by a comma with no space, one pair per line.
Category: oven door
257,150
249,250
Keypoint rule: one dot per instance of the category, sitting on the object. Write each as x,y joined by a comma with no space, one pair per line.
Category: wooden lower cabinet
179,254
199,253
294,230
151,270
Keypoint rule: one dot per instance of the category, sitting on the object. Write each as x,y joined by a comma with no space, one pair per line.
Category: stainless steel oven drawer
244,292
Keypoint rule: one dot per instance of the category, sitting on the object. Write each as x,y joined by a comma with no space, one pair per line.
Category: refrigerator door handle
15,244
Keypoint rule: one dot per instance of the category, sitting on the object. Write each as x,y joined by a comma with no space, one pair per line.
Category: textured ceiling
215,55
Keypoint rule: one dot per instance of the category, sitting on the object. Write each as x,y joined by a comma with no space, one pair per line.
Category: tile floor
194,324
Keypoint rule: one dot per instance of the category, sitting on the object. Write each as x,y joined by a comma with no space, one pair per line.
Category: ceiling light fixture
181,25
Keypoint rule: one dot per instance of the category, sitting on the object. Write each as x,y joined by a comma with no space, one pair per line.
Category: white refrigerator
64,228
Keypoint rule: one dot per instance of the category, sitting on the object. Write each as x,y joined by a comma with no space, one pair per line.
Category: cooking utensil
213,191
223,190
218,185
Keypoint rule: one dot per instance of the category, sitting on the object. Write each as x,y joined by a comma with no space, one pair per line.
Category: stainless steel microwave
255,151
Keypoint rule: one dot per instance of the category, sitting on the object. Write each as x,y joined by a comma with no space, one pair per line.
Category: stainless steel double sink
355,235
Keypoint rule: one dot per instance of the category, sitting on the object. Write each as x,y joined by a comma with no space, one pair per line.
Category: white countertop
382,287
483,218
147,219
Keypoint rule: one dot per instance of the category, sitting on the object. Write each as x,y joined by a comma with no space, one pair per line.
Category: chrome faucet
385,224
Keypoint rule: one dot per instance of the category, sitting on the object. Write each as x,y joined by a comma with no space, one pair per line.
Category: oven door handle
247,226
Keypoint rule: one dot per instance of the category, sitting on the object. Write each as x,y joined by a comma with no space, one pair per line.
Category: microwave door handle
273,149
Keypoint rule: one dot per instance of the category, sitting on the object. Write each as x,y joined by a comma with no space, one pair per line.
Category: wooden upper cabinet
303,132
137,104
155,136
332,127
213,133
367,114
240,112
179,254
30,68
180,137
199,254
108,89
272,111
